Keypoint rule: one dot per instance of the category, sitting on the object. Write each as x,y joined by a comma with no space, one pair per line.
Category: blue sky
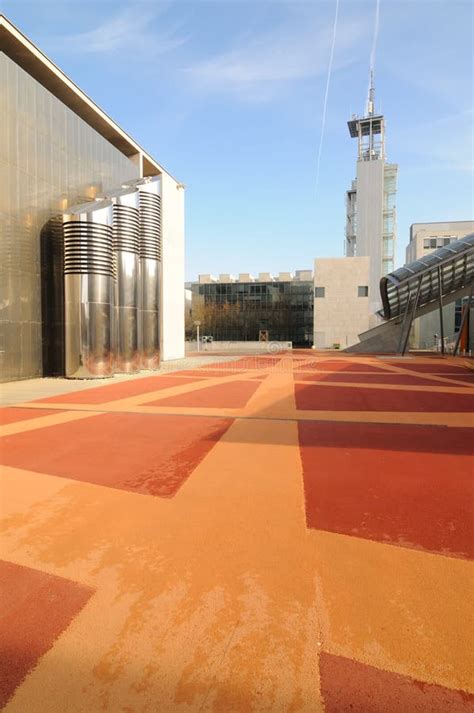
229,96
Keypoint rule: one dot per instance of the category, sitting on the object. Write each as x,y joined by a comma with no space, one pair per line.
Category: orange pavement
288,533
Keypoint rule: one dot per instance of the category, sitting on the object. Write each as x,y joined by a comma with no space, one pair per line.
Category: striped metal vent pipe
126,247
150,268
89,290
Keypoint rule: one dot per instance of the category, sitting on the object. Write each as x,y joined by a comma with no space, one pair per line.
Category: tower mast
371,96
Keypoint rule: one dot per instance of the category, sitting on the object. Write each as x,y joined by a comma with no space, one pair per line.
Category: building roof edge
33,61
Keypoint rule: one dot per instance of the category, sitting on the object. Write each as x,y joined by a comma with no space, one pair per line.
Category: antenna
371,95
371,92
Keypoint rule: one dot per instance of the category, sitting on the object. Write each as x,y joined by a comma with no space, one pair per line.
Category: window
387,247
387,266
388,224
362,291
319,291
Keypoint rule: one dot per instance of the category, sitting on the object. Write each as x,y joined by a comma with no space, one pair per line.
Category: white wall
172,320
340,316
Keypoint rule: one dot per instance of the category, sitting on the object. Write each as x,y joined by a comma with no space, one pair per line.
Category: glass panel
243,309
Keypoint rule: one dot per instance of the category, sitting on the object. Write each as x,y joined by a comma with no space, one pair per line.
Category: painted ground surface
279,534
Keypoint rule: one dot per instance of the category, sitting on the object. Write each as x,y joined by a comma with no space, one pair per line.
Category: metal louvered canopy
441,272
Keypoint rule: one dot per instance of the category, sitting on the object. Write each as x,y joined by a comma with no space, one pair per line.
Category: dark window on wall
362,291
319,291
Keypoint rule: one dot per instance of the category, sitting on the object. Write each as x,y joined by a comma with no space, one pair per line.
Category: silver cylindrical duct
126,245
89,290
150,269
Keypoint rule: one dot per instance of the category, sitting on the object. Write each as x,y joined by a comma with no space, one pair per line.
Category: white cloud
257,68
128,30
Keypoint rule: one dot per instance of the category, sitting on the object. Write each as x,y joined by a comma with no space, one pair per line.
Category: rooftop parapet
227,277
303,275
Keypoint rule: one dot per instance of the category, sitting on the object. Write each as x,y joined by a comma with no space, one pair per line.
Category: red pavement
265,537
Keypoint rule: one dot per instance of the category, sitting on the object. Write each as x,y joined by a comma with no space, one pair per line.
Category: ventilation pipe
150,268
89,290
126,246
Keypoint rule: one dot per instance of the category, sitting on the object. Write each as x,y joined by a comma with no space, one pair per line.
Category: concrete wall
370,184
425,327
340,316
172,321
241,347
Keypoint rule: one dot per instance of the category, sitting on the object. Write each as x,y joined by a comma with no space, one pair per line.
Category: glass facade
49,159
238,311
389,218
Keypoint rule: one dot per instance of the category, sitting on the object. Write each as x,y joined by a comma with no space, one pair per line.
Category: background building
57,149
424,238
370,202
341,301
238,309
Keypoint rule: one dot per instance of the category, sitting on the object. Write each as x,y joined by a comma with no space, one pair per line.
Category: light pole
197,324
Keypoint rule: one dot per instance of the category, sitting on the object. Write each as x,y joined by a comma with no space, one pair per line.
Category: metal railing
433,278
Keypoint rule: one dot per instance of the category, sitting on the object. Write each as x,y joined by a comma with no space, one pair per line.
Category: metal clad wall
49,159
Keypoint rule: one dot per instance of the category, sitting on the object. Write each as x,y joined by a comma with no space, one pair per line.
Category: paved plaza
267,533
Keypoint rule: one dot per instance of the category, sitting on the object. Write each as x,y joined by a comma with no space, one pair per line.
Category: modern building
341,301
59,152
370,202
244,308
424,239
347,290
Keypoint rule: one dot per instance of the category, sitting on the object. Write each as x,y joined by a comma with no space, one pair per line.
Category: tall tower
370,202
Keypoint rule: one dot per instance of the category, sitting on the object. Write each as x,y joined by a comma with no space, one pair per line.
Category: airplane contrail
326,95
